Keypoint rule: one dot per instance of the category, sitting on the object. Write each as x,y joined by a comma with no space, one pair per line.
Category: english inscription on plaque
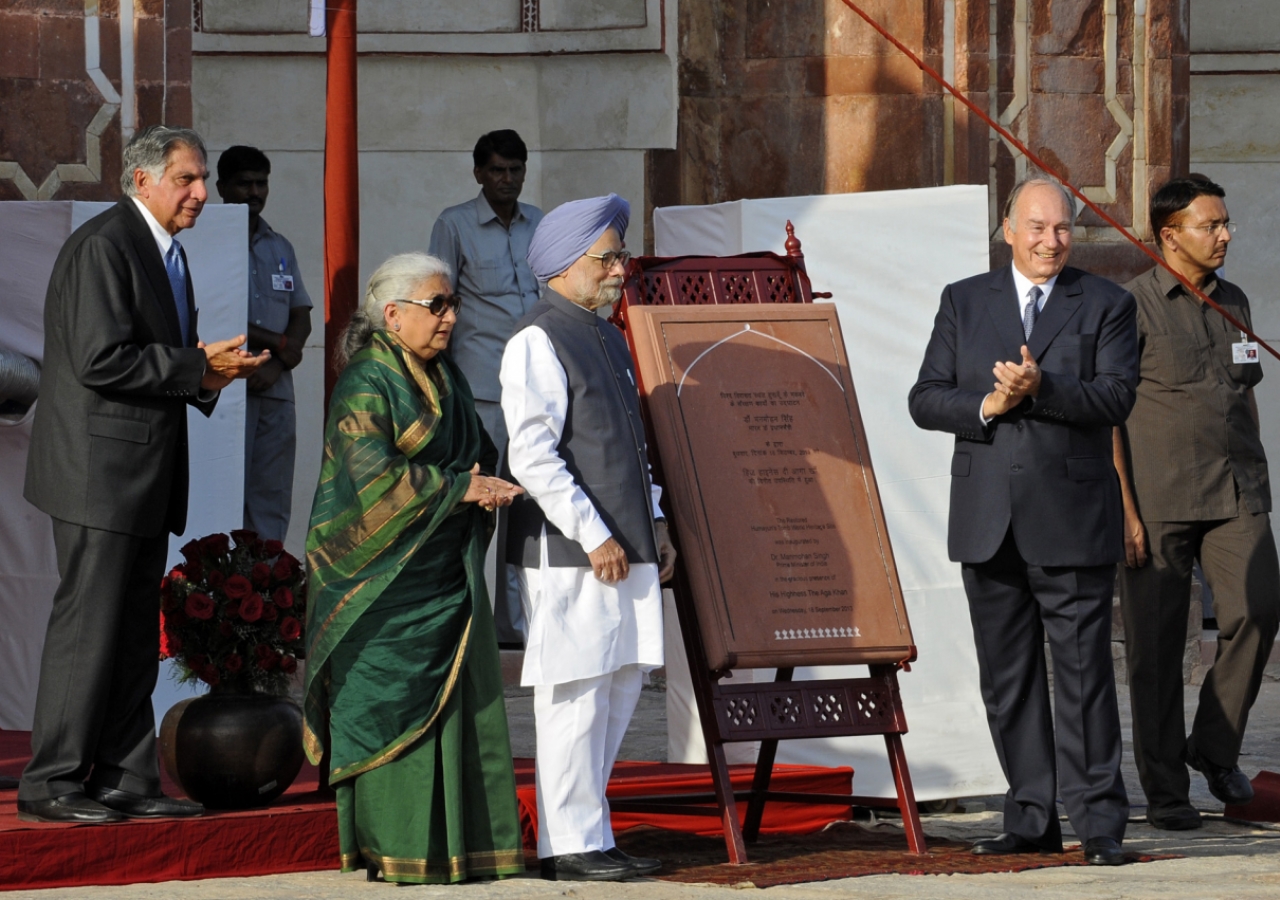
765,460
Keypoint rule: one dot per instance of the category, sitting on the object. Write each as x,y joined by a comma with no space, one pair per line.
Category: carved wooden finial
793,242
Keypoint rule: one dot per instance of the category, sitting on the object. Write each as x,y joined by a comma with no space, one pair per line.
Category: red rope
1022,148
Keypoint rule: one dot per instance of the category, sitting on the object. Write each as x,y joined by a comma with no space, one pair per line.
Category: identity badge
1244,352
282,282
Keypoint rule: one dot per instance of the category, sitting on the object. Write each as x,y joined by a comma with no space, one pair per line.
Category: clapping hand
225,361
1013,382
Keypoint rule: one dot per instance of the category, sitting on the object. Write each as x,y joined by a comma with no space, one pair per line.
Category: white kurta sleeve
535,401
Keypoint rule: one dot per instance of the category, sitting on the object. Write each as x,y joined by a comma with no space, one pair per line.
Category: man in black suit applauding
1035,514
108,463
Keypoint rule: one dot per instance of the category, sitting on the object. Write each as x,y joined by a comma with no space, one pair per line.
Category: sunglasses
437,304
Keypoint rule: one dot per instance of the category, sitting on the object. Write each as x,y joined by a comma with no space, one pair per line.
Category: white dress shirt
1022,286
579,627
164,240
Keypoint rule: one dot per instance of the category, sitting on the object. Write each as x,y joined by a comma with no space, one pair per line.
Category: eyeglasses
437,304
611,257
1212,228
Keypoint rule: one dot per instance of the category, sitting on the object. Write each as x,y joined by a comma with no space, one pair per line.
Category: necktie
1032,310
177,270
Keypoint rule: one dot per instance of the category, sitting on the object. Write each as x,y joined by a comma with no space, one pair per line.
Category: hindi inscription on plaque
770,481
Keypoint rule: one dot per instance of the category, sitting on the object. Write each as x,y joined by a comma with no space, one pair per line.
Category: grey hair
149,150
1029,182
394,280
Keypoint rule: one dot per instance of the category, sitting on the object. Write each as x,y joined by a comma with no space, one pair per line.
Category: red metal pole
341,182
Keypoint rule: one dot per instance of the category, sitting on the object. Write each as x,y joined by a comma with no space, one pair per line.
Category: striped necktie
1032,311
177,269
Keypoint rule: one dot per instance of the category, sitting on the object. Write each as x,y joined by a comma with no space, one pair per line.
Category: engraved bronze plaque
770,482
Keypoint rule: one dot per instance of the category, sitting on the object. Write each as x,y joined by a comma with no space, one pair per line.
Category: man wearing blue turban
588,538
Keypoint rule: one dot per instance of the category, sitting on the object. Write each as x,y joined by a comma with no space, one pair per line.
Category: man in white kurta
594,548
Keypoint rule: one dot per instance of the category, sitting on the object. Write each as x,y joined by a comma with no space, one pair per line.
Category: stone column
804,97
77,78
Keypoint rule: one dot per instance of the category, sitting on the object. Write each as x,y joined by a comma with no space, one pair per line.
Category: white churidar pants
580,725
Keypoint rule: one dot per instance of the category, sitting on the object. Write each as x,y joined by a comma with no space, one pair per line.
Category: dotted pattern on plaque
810,634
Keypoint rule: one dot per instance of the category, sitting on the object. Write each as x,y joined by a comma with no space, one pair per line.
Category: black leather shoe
1103,851
643,865
1227,783
75,808
1006,843
594,865
136,806
1176,818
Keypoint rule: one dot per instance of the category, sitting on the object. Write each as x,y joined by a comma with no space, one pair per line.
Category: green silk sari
401,648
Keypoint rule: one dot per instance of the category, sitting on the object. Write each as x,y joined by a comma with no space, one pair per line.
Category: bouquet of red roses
233,616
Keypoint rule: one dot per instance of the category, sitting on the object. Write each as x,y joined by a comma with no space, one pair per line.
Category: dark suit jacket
109,440
1045,468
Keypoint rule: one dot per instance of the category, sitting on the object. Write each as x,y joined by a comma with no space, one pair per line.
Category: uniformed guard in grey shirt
485,242
1194,479
279,321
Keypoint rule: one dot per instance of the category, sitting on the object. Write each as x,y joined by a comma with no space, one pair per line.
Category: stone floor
1225,859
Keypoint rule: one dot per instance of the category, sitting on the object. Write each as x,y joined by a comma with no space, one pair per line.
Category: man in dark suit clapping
1035,514
108,462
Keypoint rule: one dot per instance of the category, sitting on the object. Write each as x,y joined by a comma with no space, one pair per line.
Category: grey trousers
508,613
270,447
1238,557
93,719
1013,605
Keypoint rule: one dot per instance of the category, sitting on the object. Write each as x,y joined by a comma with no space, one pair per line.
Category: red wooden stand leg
906,795
728,806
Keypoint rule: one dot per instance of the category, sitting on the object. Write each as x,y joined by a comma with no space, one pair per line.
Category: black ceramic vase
233,750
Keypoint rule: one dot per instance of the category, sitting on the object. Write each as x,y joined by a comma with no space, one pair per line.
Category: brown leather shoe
74,808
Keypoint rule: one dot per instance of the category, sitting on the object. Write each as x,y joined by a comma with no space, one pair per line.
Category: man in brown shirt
1194,483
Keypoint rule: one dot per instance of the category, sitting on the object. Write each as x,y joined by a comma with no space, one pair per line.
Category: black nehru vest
602,443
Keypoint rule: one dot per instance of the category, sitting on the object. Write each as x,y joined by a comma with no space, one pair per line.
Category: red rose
269,612
263,650
194,570
267,663
191,551
216,578
233,663
209,675
251,608
197,662
168,602
225,628
237,587
172,643
178,573
260,575
280,571
243,536
231,608
259,548
274,548
216,544
176,618
288,664
290,628
200,606
283,598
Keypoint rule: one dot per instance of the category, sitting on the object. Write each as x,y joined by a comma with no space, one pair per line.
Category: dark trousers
93,720
1238,557
1013,606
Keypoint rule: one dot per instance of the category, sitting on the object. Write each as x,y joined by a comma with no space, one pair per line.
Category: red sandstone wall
48,102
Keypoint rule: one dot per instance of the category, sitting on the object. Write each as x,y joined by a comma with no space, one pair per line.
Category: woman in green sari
402,656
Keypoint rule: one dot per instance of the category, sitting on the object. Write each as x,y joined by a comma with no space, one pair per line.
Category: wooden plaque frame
783,709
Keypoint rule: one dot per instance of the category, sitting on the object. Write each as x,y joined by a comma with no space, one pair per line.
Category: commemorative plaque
765,460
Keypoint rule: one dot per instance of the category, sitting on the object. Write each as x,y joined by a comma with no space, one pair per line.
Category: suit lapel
1058,309
1002,307
144,244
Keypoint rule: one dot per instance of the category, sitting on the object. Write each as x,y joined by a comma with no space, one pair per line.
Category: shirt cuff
985,421
594,534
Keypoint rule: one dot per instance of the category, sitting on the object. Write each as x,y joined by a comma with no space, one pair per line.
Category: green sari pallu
401,646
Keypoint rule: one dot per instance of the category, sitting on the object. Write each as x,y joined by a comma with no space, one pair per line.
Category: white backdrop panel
30,236
886,257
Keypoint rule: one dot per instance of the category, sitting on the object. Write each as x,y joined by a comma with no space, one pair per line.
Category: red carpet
299,832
